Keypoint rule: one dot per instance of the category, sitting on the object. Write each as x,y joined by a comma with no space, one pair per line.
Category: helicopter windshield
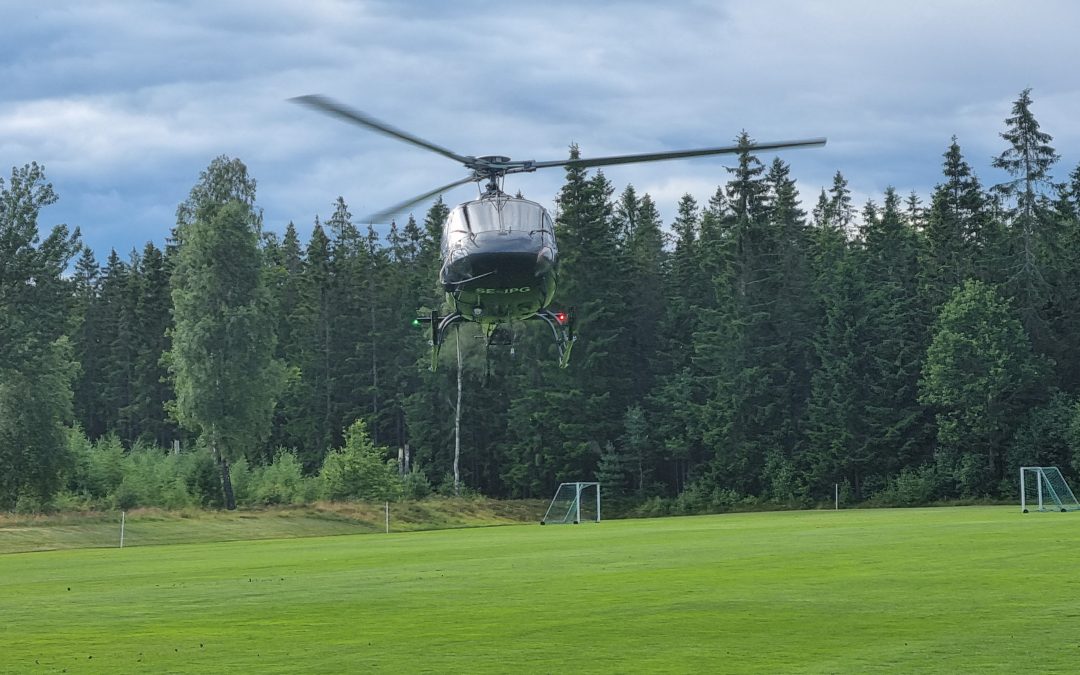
499,215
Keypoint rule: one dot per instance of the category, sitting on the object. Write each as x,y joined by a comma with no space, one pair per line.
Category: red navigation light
560,317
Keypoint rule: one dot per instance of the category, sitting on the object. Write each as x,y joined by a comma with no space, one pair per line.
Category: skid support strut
562,328
439,325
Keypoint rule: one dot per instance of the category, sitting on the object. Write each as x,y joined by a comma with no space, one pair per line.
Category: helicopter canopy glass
499,215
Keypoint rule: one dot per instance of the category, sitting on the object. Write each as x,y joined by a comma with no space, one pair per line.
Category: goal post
1045,489
572,502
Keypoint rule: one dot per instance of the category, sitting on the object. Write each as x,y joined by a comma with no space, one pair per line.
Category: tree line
747,351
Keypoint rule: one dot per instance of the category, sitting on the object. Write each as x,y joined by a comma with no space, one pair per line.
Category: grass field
152,527
973,589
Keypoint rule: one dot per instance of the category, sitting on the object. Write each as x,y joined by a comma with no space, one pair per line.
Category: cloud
125,103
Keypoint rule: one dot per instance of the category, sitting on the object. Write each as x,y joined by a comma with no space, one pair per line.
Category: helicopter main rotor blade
331,107
676,154
387,213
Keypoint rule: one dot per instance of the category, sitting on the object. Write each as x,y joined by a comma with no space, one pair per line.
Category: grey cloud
126,102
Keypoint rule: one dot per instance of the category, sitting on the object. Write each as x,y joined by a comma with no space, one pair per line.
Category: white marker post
123,518
388,517
836,489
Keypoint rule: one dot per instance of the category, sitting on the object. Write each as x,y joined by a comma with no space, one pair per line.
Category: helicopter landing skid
562,328
439,326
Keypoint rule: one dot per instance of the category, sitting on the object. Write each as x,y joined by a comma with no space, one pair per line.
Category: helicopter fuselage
500,259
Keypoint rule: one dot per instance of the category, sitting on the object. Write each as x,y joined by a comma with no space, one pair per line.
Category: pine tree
684,286
427,411
677,394
347,330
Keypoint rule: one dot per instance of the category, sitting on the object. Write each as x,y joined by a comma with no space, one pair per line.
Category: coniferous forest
760,346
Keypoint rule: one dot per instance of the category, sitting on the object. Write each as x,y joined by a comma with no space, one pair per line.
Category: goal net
574,502
1045,489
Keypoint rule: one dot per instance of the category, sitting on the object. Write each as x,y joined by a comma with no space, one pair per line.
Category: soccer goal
568,506
1047,487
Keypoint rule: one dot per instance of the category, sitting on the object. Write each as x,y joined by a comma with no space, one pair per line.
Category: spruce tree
313,320
757,355
117,308
1028,160
289,330
1063,314
841,212
834,429
956,231
896,337
150,333
87,344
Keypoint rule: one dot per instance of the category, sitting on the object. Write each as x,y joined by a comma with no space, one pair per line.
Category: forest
750,351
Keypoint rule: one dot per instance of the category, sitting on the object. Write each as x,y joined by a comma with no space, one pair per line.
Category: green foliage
36,363
154,478
761,355
99,466
1046,438
912,487
281,482
222,358
979,373
359,470
35,400
415,484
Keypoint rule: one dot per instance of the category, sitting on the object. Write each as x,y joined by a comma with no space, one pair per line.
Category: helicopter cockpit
512,235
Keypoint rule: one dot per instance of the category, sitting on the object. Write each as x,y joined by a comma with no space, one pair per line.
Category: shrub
203,478
358,470
98,467
282,482
415,484
241,475
913,487
153,477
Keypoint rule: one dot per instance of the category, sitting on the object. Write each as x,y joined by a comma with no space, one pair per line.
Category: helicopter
499,254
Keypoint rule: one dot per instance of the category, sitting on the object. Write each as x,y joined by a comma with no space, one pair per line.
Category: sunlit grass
974,589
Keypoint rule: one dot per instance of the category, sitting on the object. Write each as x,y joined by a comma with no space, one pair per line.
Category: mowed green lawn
972,589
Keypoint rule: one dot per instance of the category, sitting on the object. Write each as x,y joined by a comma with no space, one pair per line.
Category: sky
125,102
